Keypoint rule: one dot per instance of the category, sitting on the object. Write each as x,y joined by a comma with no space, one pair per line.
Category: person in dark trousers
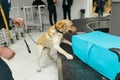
52,11
67,8
100,7
7,53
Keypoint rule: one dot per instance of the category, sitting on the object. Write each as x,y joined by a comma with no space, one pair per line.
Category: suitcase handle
117,51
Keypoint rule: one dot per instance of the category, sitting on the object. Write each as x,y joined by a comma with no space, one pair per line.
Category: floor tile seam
52,70
17,67
17,74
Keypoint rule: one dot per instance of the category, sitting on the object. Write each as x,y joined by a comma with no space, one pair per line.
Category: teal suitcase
100,51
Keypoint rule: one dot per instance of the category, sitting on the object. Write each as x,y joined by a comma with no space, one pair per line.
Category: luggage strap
117,51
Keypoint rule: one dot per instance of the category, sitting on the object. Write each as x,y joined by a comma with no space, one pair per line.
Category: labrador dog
53,37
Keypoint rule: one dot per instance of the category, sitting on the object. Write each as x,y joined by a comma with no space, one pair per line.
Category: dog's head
65,26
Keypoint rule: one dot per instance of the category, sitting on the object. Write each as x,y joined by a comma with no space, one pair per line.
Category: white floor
23,65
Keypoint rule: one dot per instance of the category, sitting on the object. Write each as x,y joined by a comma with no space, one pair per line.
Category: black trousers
52,15
100,10
67,12
5,72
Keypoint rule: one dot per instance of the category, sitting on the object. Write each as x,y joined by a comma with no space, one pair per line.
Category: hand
7,53
55,1
18,22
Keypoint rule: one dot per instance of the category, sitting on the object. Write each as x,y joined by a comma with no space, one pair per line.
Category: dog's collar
58,30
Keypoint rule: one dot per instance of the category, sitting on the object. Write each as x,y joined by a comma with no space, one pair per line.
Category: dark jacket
70,2
51,4
6,8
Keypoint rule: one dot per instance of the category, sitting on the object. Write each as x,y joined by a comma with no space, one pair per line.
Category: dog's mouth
72,30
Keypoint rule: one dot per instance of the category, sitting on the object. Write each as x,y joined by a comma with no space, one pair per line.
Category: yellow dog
53,37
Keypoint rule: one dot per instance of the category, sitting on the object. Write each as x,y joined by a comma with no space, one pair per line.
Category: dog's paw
68,56
51,57
38,69
70,44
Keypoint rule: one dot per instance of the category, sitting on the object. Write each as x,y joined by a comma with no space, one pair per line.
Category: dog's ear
61,24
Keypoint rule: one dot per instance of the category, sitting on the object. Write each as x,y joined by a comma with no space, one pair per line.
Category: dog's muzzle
70,31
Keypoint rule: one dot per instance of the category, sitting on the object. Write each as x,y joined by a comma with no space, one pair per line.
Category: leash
36,41
5,21
28,48
8,31
58,31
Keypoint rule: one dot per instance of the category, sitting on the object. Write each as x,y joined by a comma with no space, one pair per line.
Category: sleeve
6,7
10,22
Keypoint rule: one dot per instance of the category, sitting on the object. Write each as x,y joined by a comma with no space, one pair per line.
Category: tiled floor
23,65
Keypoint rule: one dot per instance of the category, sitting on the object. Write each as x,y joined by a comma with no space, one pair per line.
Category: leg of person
99,12
55,16
69,12
102,10
64,12
5,72
50,17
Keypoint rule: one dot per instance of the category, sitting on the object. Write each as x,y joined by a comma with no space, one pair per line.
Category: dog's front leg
60,50
67,42
40,49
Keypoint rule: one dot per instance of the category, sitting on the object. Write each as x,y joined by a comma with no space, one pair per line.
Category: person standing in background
100,7
7,53
67,8
52,11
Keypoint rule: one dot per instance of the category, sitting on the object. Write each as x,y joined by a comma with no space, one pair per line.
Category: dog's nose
69,31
